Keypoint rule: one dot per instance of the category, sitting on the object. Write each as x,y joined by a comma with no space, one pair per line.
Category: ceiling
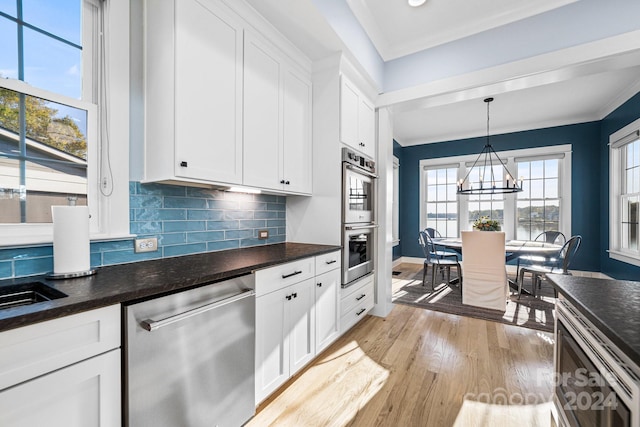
562,94
397,29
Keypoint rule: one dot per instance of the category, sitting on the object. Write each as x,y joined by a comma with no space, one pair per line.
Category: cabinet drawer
274,278
356,313
84,394
328,262
34,350
356,294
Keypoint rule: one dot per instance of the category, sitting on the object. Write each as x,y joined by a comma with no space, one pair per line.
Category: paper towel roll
70,239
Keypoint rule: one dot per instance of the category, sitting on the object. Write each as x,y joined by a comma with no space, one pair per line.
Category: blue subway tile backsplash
185,220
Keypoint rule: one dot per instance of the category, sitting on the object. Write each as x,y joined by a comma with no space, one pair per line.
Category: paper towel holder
85,273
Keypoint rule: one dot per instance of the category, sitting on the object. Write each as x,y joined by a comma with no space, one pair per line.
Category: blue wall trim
185,220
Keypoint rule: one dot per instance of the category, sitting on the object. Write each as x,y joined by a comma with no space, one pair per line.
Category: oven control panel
357,159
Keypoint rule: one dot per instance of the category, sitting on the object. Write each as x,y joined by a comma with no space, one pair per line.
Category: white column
384,206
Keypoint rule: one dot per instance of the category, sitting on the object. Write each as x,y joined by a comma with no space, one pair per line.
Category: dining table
513,249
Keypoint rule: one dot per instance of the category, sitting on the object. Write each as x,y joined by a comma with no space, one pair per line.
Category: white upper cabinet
193,94
277,120
224,104
357,119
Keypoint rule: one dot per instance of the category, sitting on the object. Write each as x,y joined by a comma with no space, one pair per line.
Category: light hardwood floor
421,368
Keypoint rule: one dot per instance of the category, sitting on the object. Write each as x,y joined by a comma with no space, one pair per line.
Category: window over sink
53,79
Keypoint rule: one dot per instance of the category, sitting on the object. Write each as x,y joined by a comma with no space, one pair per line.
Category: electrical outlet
263,234
146,245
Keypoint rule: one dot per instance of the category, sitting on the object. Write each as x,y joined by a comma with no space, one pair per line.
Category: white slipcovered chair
484,271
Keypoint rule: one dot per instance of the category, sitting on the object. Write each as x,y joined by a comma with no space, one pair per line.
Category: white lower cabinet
297,315
285,324
82,395
327,299
62,372
357,300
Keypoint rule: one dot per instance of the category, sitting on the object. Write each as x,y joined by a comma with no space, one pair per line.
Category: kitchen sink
26,294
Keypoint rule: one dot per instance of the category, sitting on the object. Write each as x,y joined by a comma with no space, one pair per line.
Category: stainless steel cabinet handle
284,276
361,227
360,297
331,262
151,325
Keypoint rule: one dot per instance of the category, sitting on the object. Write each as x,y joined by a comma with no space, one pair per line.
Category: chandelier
489,182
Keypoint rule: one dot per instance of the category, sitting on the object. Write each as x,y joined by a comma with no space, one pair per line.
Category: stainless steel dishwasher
189,358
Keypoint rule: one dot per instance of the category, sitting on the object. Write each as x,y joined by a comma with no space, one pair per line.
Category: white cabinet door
262,116
297,156
208,93
277,120
272,345
301,321
327,308
349,106
357,119
193,92
367,127
86,394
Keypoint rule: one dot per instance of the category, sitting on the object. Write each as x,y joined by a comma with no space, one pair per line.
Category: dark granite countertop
130,282
613,306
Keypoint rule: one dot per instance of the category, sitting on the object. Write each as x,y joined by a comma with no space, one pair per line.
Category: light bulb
416,3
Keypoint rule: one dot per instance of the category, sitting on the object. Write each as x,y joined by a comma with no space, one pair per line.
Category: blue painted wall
622,116
585,176
185,220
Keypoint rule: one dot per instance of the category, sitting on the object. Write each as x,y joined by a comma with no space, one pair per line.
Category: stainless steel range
358,215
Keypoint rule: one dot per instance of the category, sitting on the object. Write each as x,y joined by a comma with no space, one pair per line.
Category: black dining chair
442,253
432,232
560,265
435,261
555,237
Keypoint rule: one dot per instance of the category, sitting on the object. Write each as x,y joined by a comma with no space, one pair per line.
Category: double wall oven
358,215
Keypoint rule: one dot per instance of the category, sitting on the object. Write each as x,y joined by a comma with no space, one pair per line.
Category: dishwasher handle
152,325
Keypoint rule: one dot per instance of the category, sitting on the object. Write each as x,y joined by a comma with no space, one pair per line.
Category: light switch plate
146,245
263,234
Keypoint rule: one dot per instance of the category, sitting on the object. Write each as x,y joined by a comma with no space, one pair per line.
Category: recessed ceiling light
416,3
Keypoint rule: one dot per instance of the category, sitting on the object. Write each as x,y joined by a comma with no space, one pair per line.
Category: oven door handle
360,227
360,171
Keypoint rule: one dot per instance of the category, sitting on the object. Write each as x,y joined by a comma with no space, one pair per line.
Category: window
43,124
538,205
545,203
490,205
625,191
50,150
441,205
395,233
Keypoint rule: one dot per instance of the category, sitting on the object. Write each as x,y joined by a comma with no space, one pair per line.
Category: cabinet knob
287,182
282,181
319,284
295,295
288,297
183,164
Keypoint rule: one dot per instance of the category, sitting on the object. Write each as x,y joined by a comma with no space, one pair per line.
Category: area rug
528,311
